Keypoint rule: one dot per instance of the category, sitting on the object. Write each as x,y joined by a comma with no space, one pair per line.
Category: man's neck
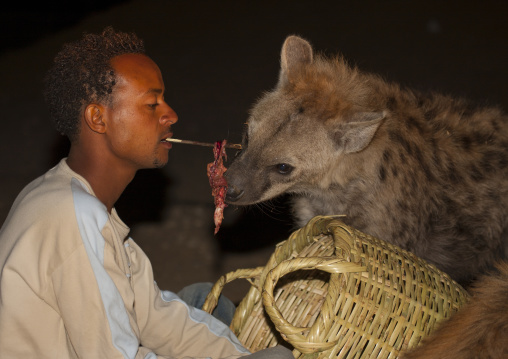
107,182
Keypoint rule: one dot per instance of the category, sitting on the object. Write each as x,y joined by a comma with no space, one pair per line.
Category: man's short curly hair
82,74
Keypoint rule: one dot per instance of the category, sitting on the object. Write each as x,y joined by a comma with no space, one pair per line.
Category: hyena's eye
284,168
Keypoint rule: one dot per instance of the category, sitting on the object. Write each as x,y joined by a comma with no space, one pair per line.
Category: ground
217,58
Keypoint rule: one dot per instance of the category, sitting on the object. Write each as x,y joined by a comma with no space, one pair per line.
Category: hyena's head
296,135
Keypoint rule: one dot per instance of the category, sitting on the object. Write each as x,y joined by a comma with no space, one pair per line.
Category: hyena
428,173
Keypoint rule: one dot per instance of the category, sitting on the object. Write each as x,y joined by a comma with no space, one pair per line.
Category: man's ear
94,118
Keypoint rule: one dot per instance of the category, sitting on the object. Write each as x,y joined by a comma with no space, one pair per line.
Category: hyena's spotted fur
426,172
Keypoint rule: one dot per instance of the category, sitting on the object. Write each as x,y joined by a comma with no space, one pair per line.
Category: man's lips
168,135
165,143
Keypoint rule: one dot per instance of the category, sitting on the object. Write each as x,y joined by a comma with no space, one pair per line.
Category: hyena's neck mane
328,87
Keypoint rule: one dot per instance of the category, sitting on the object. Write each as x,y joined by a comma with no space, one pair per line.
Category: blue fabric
195,295
92,216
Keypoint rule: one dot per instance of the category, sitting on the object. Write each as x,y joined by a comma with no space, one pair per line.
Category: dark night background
217,58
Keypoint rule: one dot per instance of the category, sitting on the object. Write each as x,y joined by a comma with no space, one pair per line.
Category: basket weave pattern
330,291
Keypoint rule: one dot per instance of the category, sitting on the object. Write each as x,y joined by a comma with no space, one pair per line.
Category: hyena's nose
233,194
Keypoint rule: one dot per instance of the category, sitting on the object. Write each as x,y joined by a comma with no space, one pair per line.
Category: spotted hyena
428,173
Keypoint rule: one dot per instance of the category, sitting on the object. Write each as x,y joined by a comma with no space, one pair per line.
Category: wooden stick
228,145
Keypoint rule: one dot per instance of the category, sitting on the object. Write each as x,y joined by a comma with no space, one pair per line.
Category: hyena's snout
235,188
234,194
236,179
245,181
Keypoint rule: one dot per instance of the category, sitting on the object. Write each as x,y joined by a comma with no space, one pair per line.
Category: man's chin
159,164
160,159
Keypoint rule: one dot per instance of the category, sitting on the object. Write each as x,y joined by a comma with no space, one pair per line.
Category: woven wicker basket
344,294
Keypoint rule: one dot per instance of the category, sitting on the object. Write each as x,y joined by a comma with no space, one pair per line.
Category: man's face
138,118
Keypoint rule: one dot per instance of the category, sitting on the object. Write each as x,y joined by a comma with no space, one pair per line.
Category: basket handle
213,297
310,342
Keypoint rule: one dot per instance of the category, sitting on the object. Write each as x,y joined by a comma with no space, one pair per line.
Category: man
72,283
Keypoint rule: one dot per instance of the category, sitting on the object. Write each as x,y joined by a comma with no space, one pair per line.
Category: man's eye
153,105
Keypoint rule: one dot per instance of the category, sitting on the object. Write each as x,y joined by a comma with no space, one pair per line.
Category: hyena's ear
356,134
295,53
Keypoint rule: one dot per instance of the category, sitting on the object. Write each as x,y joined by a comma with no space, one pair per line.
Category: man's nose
169,117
